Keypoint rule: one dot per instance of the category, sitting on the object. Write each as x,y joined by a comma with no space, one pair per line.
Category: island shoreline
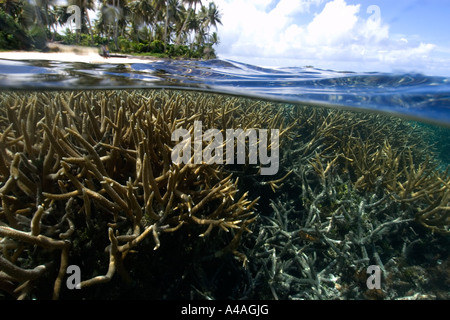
72,53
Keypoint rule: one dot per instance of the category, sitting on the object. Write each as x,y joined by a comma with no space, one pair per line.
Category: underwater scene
206,180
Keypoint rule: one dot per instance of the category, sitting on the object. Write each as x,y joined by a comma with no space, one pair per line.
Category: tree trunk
166,24
184,25
89,25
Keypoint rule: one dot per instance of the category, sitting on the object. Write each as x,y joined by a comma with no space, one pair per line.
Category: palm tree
177,14
173,13
159,32
200,36
212,16
190,11
37,15
44,4
140,13
111,15
208,51
207,17
214,39
61,15
52,21
160,10
89,5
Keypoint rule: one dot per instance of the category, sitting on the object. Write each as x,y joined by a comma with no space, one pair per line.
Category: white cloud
312,33
248,29
333,25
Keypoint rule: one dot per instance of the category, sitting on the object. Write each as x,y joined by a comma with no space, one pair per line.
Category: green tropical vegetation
163,28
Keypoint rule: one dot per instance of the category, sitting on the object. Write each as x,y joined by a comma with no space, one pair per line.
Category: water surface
417,96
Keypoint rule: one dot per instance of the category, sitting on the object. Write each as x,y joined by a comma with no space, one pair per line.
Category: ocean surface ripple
416,96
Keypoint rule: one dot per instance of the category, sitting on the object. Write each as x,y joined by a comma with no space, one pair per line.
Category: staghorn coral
381,155
356,189
93,169
362,186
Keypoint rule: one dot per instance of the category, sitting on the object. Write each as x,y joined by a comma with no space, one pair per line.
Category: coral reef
82,171
86,179
365,189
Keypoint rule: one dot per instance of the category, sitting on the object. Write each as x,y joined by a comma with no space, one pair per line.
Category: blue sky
355,35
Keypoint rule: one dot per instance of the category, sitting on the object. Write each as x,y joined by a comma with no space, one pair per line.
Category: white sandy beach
72,54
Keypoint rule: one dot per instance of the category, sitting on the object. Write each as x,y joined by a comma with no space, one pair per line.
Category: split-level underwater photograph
142,159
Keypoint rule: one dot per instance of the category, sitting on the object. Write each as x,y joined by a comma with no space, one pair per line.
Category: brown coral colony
106,153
